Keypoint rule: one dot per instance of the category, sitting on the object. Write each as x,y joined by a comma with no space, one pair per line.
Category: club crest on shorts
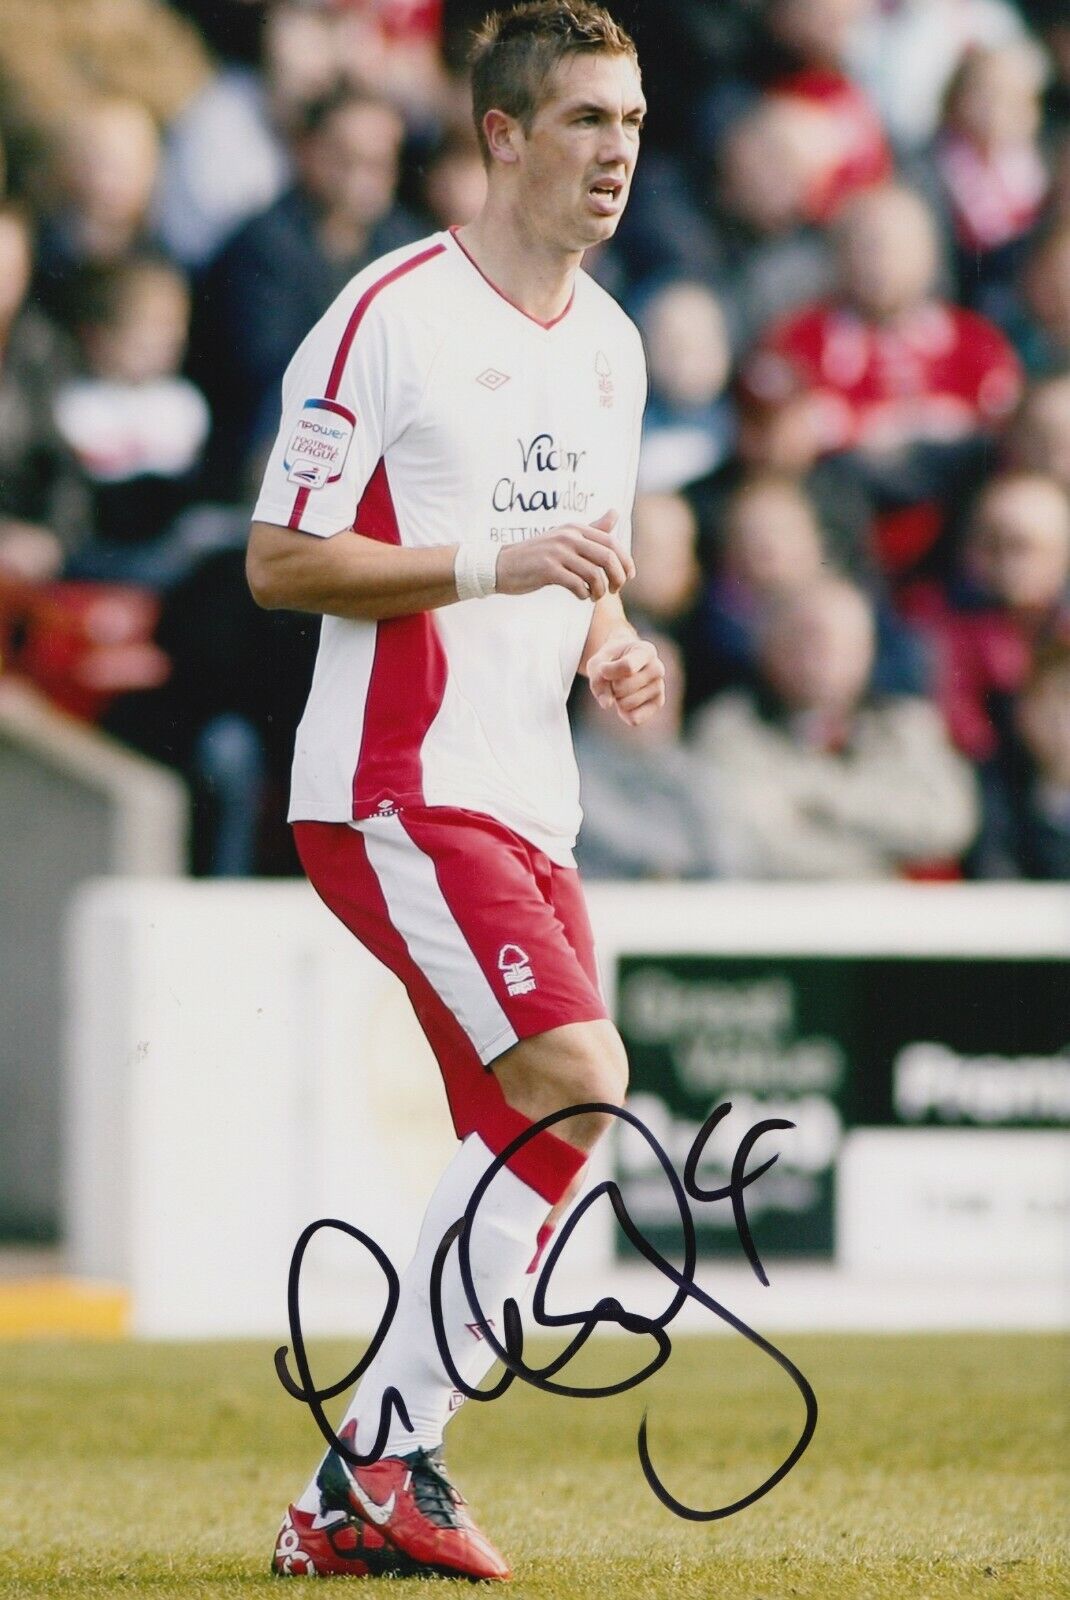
319,444
515,969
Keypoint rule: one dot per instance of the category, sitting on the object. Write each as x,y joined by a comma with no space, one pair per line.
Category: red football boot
412,1504
334,1545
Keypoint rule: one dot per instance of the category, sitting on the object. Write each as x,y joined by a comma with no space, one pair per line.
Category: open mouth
606,193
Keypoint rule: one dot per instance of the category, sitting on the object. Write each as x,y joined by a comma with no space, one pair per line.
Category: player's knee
599,1072
581,1064
585,1064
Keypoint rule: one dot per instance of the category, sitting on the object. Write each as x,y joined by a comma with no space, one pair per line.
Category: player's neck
534,275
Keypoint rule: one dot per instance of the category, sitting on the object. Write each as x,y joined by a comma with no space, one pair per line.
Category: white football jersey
426,409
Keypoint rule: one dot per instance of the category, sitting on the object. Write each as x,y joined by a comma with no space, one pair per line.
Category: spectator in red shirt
907,383
1009,596
991,170
846,143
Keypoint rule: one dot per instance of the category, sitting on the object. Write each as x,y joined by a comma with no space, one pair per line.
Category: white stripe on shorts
420,913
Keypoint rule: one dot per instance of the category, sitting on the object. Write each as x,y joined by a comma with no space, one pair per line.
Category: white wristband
475,570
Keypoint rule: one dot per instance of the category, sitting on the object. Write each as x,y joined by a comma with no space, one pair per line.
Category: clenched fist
627,673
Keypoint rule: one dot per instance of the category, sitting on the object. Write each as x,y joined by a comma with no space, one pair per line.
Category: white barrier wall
238,1067
74,805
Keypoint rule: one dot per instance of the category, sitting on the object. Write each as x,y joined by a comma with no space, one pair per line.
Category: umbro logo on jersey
492,378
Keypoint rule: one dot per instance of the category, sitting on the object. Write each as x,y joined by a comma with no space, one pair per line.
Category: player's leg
570,1065
383,879
494,884
577,1064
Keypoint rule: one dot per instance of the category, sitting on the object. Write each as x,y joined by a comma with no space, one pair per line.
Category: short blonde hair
515,52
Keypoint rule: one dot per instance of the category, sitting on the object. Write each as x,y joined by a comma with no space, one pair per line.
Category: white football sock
505,1238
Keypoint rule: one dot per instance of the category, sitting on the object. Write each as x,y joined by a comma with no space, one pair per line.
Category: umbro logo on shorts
492,378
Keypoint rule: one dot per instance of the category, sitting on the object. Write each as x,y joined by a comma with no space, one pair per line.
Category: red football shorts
489,936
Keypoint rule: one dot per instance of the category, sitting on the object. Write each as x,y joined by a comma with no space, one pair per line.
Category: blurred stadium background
829,882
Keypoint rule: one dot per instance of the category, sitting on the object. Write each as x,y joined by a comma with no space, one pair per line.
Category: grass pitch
939,1470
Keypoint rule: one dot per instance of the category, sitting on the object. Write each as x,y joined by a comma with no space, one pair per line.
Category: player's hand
583,558
628,674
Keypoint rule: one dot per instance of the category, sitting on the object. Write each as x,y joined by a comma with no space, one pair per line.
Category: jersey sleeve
334,428
623,531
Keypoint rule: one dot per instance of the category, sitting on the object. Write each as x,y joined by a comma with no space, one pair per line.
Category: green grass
939,1469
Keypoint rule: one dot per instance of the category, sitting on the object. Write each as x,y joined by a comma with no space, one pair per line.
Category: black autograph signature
608,1310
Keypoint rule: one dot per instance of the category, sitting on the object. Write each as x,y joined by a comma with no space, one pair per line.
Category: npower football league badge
319,444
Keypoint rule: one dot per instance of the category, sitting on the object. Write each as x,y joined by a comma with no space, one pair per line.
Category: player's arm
607,622
349,575
624,671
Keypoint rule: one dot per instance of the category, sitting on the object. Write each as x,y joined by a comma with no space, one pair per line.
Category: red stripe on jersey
357,315
408,679
345,344
300,502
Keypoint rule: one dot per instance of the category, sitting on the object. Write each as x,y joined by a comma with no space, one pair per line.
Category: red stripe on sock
543,1238
546,1163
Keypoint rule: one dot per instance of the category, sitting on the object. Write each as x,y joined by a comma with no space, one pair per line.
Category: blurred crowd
848,250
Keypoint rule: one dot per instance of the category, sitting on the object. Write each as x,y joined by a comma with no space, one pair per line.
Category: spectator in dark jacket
42,503
281,271
108,163
135,425
1025,832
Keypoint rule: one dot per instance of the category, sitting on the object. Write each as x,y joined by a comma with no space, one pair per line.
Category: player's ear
503,134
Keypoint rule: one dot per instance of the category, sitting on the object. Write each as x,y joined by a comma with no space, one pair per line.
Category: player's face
579,156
